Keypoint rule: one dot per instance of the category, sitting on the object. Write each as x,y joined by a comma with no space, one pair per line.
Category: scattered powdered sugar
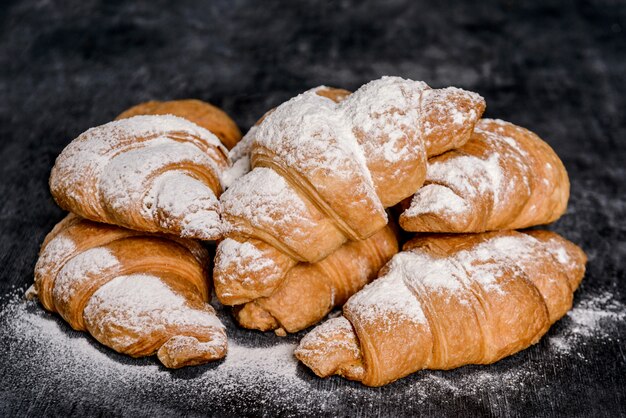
44,358
593,318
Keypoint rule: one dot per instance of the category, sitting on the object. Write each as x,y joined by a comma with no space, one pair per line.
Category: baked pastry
138,293
447,301
149,173
240,153
310,291
203,114
504,177
325,169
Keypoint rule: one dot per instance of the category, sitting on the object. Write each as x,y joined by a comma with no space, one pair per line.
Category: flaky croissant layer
447,301
137,293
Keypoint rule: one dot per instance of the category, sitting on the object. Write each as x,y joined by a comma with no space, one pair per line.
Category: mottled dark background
556,67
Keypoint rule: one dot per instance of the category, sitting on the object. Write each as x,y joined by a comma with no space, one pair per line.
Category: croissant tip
180,351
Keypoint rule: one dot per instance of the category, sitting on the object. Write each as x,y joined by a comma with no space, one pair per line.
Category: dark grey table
555,67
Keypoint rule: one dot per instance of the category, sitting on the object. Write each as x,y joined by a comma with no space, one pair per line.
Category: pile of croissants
312,210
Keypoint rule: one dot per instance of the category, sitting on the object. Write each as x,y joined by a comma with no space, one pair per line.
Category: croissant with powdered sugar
153,173
325,165
504,177
138,293
446,301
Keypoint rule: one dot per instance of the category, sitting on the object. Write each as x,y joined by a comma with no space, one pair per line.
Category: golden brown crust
310,291
206,115
504,177
323,174
154,173
134,292
447,301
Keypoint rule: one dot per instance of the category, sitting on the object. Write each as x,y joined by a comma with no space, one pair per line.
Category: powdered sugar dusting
118,162
232,249
387,298
245,259
55,250
130,308
493,177
434,198
309,131
463,171
82,268
410,271
263,197
240,156
186,203
263,378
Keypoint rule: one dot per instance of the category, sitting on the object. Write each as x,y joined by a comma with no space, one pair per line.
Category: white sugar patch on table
51,359
591,319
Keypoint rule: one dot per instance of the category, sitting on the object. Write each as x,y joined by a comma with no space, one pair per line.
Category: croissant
152,173
203,114
504,177
448,301
325,167
137,293
310,291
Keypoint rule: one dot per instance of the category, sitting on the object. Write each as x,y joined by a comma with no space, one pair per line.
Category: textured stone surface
554,67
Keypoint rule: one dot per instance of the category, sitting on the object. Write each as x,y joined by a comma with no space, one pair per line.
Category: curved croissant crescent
326,284
504,177
153,173
447,301
137,293
326,164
